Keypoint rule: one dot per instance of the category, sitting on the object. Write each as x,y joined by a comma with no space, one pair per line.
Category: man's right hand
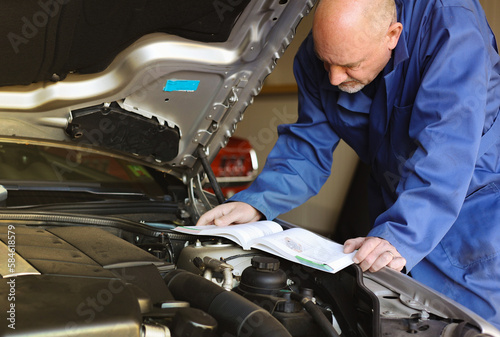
230,213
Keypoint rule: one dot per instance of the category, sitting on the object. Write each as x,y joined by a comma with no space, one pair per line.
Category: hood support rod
210,174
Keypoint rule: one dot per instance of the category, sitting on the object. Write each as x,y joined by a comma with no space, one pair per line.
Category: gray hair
380,15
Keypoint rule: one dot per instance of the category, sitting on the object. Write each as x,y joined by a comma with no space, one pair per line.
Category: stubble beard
351,86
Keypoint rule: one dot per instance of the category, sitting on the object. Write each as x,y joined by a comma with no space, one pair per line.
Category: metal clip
230,101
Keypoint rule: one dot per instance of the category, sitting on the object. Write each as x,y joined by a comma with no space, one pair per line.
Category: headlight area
104,280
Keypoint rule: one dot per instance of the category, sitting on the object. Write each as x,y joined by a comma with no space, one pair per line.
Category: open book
294,244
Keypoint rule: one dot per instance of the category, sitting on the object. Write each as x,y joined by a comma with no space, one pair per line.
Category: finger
369,251
230,213
376,253
375,247
352,244
228,219
382,260
398,263
238,213
210,216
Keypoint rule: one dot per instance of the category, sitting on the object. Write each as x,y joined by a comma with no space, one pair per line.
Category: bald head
355,39
371,18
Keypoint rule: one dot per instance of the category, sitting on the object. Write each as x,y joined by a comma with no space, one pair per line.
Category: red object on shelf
235,166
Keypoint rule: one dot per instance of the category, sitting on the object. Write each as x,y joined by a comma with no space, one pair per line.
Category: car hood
153,88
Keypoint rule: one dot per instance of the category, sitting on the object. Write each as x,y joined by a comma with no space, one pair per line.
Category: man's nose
336,74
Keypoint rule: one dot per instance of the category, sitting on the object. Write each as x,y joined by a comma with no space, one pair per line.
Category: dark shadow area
354,220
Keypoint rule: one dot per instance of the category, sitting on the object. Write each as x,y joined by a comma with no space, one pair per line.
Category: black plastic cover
117,129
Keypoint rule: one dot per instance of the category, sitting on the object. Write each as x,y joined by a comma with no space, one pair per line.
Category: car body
111,113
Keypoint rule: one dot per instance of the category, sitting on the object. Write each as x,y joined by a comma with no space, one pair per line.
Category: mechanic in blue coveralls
414,88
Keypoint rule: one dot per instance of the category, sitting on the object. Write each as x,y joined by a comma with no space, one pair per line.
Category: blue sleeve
301,159
447,121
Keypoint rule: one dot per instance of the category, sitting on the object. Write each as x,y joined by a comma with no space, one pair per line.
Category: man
414,88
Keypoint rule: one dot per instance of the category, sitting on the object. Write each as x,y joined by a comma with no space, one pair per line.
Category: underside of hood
155,81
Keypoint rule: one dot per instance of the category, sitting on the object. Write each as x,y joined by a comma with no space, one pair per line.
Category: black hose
316,314
235,315
211,176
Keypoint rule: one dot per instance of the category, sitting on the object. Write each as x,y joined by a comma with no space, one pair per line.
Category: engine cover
83,281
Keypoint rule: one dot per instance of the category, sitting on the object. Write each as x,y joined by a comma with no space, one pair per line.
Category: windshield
42,168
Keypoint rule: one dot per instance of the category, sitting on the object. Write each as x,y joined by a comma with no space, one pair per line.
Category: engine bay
82,280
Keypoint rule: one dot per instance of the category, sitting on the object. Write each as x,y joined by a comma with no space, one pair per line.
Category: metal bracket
230,100
202,137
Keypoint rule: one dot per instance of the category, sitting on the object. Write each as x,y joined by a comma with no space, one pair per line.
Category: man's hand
374,254
230,213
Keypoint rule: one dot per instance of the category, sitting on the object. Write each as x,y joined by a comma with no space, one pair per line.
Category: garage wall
277,104
492,10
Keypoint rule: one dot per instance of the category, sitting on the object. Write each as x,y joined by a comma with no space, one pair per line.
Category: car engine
76,280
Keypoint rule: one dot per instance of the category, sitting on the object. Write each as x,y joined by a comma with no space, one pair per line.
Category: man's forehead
338,58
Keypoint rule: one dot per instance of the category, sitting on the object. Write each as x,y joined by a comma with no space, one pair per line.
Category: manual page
307,248
242,234
294,244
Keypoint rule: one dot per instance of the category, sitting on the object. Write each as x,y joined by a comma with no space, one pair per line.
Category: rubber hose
235,314
316,314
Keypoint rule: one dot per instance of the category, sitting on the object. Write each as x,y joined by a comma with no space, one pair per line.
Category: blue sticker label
181,85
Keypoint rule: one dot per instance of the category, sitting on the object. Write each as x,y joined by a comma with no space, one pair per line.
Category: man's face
351,61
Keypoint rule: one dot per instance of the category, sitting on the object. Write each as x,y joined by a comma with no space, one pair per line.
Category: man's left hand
374,253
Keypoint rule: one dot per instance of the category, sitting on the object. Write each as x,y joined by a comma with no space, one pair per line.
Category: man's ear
393,34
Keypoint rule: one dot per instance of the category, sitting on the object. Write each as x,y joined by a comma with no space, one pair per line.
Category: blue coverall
426,125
